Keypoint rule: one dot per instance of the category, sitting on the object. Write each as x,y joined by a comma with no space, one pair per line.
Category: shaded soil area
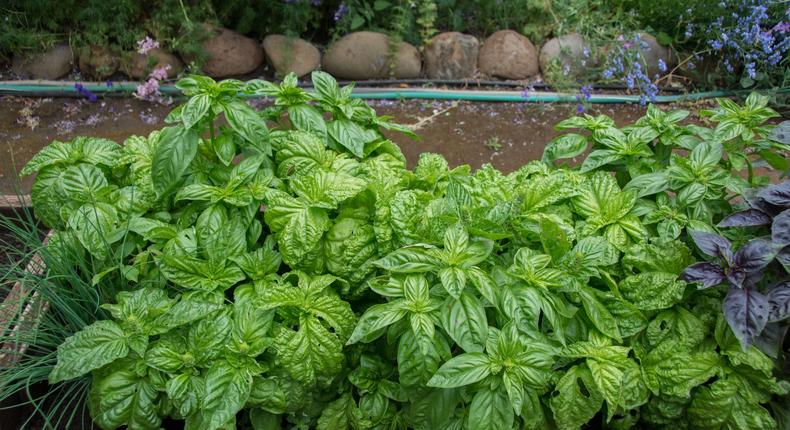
506,135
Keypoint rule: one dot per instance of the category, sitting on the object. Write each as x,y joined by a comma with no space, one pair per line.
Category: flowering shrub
746,39
626,63
319,283
749,37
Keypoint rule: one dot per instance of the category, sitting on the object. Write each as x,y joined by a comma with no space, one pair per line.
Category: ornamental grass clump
287,270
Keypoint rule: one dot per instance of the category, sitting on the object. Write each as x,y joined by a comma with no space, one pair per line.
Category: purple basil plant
753,313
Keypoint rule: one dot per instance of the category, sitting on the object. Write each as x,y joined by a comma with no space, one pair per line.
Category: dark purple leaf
736,277
707,274
713,244
783,257
752,197
780,230
777,194
752,278
747,218
746,312
771,339
778,297
755,255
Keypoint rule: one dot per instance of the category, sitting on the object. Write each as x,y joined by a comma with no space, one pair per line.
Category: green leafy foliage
316,282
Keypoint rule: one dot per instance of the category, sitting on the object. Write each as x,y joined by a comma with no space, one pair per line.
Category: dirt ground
506,135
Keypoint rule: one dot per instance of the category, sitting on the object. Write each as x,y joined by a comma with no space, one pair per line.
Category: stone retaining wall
361,55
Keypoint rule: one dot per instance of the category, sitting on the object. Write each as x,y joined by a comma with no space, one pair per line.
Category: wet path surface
506,135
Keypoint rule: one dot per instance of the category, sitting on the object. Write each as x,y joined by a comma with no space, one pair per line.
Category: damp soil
507,135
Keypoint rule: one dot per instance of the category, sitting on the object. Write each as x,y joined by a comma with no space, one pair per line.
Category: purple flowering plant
747,40
88,94
628,65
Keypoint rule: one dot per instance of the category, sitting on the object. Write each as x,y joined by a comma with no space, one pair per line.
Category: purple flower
160,72
689,30
341,11
85,92
750,70
148,90
586,90
662,65
146,45
580,109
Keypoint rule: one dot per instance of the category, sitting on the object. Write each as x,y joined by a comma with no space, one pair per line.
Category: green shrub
320,283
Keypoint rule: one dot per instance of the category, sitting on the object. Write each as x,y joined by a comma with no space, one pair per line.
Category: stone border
361,55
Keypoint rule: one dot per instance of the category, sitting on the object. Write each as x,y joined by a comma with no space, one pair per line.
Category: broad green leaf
609,379
566,146
416,365
82,182
375,318
453,279
195,109
576,398
95,228
462,370
409,260
307,118
248,124
653,290
227,390
675,372
207,338
120,397
350,135
464,319
192,306
176,148
722,405
327,189
197,274
299,227
648,184
599,315
598,158
96,345
338,414
490,409
186,391
311,352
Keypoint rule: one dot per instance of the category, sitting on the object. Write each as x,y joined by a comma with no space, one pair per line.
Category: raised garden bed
370,293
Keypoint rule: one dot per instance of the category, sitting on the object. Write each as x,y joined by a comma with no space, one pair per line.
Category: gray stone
507,54
98,62
289,54
652,51
53,63
138,66
566,54
230,54
451,55
366,55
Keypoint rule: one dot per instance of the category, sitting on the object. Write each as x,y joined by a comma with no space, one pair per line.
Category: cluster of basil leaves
301,276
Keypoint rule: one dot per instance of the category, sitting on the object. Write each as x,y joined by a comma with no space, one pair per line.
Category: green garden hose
66,89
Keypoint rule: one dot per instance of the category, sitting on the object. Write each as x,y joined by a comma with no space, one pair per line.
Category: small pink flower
148,90
145,45
160,72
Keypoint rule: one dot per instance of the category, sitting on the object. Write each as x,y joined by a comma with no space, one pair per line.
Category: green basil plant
288,270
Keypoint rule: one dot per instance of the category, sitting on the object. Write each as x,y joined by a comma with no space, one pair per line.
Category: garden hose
67,89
